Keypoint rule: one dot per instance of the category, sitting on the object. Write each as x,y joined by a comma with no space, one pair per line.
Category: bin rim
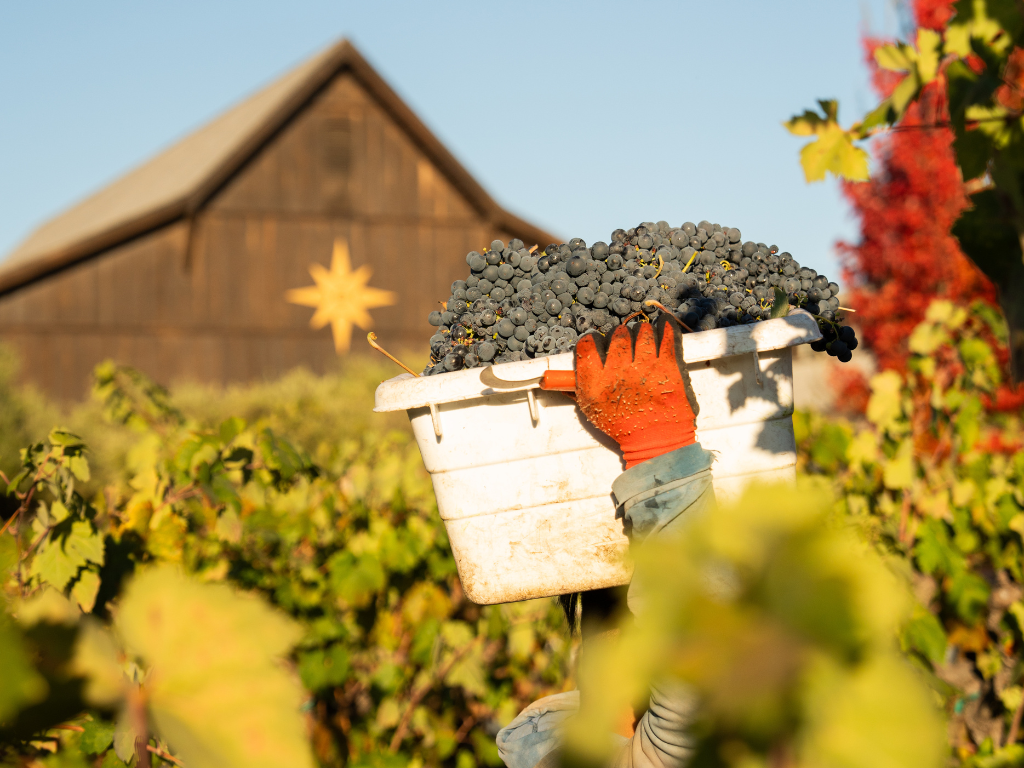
406,392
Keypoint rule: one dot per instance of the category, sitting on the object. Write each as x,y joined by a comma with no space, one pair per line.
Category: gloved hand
633,386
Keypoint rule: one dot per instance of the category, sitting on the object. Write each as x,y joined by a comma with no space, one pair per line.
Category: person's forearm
662,738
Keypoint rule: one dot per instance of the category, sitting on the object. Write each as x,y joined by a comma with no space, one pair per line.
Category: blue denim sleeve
655,493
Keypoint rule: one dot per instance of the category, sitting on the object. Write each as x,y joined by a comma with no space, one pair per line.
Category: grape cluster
518,303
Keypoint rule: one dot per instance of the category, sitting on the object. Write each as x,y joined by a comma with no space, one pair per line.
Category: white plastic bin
523,481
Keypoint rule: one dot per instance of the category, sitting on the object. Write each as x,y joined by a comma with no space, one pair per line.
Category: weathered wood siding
215,311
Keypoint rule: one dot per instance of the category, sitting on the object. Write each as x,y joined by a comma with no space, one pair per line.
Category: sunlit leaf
897,58
96,658
780,307
217,692
97,737
834,152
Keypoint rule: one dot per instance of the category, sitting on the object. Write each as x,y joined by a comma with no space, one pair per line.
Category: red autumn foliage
907,256
1011,93
933,14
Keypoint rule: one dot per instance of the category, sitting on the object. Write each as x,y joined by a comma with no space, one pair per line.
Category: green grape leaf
880,115
79,468
97,737
896,58
85,543
356,579
834,152
217,691
64,438
934,550
969,593
111,760
324,668
469,673
929,53
55,566
898,472
85,590
125,737
924,633
230,429
904,93
987,21
807,124
885,404
8,556
96,659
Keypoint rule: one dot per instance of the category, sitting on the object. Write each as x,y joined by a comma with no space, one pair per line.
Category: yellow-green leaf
896,58
898,472
880,115
807,124
884,405
972,20
834,152
84,543
905,92
79,468
63,437
929,52
85,590
217,691
53,565
96,659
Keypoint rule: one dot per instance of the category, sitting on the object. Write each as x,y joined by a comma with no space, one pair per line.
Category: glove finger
588,360
645,352
670,347
620,349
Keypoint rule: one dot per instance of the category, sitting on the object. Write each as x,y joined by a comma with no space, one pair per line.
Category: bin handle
435,418
560,381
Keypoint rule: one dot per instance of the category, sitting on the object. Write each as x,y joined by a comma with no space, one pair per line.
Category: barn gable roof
177,182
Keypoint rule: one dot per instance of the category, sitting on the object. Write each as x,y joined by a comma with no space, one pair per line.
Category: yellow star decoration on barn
341,297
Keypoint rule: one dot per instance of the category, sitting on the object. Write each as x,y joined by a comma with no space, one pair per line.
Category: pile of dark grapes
518,303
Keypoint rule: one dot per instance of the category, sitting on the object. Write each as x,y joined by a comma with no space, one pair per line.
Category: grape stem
372,338
661,266
694,256
667,311
643,317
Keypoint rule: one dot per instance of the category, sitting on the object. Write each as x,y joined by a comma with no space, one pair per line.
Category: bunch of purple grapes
518,303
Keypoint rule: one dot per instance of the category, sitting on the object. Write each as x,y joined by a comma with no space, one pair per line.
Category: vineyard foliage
781,625
936,481
221,595
260,577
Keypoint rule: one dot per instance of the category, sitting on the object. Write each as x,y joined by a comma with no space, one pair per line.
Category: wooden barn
181,268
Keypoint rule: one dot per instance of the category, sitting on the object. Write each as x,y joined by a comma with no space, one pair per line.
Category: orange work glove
633,386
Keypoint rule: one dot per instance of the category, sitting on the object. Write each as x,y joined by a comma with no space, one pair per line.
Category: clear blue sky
580,116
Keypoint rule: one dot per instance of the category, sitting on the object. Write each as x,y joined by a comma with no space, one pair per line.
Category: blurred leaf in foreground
20,684
785,626
216,687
